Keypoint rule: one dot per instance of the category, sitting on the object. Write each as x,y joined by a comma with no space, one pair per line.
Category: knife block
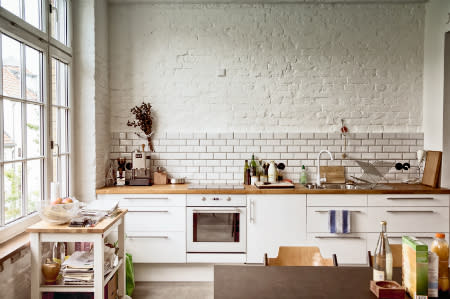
159,178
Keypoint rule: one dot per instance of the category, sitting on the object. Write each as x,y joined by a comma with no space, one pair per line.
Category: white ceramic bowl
59,213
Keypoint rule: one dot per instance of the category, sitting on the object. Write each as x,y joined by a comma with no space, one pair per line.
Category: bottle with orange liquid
440,247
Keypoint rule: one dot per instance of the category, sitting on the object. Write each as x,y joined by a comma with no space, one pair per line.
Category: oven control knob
215,198
229,198
203,198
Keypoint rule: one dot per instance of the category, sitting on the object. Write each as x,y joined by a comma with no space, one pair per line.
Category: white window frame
26,33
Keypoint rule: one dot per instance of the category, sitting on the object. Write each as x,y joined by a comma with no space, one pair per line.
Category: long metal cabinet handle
148,211
252,207
218,211
146,237
409,198
410,211
337,237
420,237
163,198
326,211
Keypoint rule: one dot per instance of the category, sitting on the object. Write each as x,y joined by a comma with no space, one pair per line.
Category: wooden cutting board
432,168
334,174
279,185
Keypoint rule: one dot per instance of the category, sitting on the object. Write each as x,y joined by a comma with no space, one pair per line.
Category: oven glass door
216,229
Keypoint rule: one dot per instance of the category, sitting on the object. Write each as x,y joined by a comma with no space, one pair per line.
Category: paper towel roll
54,191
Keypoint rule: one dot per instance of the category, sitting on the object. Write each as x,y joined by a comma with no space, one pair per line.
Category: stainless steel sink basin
347,186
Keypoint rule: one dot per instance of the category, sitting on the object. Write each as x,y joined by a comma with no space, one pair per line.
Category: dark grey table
246,282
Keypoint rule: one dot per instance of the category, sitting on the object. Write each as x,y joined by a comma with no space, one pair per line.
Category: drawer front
409,219
147,200
410,200
156,219
336,200
396,238
157,247
349,248
317,219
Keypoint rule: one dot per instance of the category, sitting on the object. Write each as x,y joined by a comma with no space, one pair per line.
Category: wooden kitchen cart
44,232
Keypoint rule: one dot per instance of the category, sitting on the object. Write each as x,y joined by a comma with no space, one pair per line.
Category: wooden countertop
299,189
101,227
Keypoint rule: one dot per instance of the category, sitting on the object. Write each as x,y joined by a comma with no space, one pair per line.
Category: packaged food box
415,267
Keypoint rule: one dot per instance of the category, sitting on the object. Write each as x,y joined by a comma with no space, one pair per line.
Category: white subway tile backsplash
219,157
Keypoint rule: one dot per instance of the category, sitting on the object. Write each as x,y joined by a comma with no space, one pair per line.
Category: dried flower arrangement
144,121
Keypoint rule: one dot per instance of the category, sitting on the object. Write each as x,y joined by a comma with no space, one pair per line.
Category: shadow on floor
178,290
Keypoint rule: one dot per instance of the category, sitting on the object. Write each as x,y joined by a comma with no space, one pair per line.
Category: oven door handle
217,211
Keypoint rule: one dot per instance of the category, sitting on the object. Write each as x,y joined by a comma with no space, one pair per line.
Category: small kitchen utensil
177,180
344,131
432,168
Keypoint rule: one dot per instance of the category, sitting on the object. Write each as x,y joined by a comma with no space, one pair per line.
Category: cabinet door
273,221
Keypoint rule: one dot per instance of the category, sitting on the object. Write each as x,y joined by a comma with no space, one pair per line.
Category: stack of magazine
78,269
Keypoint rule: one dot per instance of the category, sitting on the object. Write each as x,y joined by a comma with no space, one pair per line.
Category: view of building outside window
25,111
22,122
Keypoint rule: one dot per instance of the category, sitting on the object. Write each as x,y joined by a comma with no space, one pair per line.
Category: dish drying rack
373,173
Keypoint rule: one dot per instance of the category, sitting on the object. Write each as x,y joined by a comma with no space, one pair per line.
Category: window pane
12,79
12,135
58,20
33,131
62,84
34,184
55,98
33,73
33,12
13,191
64,176
12,5
64,131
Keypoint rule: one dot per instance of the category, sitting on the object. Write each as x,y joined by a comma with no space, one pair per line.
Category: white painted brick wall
289,67
224,164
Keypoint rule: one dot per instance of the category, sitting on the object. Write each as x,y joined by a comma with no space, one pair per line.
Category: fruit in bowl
60,210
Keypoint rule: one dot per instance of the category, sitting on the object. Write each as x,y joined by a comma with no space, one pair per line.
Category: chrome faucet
319,181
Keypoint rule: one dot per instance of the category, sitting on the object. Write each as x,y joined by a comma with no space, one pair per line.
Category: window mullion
23,76
2,168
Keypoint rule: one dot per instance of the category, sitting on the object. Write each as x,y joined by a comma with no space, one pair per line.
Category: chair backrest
300,256
396,250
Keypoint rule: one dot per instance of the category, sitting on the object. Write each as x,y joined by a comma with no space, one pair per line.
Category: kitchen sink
347,186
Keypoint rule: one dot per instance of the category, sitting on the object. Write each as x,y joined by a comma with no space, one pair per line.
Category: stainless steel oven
216,224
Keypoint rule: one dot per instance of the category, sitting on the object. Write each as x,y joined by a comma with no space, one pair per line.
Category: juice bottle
440,247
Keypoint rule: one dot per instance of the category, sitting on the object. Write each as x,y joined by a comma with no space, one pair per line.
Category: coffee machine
140,171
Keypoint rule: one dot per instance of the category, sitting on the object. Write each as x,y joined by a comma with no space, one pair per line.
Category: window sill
17,227
13,247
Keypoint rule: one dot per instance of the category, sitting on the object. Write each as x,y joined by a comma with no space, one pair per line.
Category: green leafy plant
144,121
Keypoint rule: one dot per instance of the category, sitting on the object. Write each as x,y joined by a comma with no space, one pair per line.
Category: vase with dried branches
143,120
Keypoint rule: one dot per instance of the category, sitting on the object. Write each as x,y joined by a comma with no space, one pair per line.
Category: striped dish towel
339,221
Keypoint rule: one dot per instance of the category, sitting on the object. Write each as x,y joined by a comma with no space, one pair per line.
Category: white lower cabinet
155,226
157,247
273,221
349,248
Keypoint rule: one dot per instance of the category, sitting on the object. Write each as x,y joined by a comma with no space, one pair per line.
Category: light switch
221,73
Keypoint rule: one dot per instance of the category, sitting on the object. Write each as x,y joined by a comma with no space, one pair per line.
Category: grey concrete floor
178,290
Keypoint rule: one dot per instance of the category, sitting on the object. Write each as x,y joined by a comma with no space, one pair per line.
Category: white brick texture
290,67
224,164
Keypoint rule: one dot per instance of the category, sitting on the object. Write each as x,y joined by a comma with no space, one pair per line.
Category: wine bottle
246,182
382,259
253,165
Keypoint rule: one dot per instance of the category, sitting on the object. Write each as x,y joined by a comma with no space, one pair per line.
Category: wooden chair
299,256
396,250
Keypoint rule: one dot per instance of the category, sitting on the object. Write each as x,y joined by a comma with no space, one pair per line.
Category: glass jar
440,247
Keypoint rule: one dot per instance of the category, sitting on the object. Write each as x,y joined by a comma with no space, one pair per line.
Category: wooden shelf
111,274
66,288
